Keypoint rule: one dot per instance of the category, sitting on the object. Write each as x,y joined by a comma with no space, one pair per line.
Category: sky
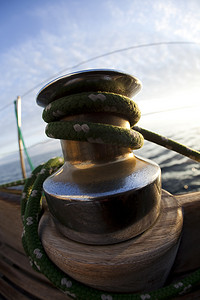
41,40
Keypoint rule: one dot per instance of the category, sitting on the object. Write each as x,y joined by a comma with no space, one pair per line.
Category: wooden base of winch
19,279
140,264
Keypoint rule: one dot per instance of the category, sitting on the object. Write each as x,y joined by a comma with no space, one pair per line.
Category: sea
179,173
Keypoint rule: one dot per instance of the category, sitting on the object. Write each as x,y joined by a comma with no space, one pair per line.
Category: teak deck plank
30,284
188,256
10,221
9,292
20,260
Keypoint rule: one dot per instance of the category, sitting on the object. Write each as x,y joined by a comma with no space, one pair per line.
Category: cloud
71,33
180,18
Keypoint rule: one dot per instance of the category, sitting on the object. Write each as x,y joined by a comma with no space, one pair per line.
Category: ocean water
179,174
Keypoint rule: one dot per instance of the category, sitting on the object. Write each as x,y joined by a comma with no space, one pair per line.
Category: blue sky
41,38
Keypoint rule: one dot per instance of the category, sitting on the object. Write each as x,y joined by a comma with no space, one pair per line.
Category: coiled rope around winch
104,133
84,103
95,133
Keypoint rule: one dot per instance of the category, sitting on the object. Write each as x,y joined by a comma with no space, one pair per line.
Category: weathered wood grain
8,291
30,284
140,264
20,260
188,256
10,221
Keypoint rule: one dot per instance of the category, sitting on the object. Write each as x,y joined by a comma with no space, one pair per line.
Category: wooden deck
19,281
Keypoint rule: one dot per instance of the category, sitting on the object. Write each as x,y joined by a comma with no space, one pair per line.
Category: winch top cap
103,80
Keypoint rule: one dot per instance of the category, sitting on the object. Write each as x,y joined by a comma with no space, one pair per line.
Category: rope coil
93,132
93,102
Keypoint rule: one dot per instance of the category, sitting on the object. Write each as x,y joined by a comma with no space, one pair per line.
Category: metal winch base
105,204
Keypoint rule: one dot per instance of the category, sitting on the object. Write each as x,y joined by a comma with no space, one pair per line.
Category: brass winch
103,194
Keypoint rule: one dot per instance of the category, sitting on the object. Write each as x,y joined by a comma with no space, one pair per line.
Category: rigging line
107,54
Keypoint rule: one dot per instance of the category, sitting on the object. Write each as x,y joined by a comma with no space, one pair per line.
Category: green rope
31,211
93,102
95,133
13,183
168,143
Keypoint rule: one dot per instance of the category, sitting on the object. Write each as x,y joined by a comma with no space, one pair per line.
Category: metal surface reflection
89,80
103,194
